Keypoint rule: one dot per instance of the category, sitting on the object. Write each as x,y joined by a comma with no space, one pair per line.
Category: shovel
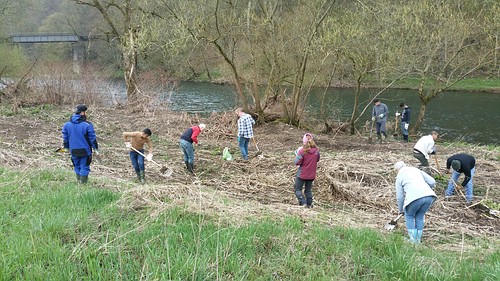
371,131
256,147
393,223
165,171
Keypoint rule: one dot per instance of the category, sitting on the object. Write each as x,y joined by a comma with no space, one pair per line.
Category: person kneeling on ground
414,196
307,159
136,145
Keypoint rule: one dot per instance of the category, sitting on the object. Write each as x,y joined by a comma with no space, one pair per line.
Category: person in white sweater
414,196
424,147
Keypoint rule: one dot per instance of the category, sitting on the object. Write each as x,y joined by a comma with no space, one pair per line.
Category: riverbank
484,85
354,189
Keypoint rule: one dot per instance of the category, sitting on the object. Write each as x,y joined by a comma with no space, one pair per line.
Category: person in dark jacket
461,163
405,120
80,139
189,137
307,159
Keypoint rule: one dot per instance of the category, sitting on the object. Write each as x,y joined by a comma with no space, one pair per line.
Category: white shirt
425,145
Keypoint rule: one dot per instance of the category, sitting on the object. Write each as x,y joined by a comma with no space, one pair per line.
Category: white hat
202,126
399,165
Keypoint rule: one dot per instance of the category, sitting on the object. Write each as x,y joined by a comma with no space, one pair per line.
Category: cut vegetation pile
354,187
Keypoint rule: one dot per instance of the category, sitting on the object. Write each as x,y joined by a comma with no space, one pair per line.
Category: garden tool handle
144,155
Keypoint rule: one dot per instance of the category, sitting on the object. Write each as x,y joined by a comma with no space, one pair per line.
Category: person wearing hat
136,143
305,138
189,137
461,163
415,195
80,140
379,114
245,131
307,159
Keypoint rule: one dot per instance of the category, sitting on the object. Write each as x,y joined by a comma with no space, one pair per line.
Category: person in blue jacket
80,139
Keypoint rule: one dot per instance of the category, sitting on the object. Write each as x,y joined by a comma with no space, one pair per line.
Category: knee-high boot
412,235
419,236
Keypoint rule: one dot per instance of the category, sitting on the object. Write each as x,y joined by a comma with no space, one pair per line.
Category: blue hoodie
79,136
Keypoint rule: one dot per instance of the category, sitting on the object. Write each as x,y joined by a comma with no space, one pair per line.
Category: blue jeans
380,127
468,187
188,150
415,212
81,165
403,130
137,160
243,144
308,191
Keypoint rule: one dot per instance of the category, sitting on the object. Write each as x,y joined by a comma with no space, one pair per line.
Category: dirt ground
354,186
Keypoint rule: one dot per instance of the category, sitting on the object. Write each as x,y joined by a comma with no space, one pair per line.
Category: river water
466,116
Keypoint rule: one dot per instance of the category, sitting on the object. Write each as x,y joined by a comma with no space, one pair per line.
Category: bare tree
122,19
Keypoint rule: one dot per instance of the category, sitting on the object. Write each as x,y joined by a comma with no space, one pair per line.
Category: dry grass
354,187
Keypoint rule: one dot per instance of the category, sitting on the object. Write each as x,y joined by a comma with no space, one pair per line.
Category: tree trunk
355,106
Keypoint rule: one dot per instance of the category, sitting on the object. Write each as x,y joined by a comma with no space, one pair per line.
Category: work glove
373,118
398,114
238,138
381,116
96,152
63,150
447,171
401,213
433,150
406,126
128,144
149,157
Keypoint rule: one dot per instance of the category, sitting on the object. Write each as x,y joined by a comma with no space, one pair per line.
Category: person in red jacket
307,159
186,142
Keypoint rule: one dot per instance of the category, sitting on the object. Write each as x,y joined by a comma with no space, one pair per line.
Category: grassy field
53,229
468,84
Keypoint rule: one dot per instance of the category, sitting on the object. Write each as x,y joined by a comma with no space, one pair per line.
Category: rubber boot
84,179
138,175
190,168
405,138
142,179
419,236
379,137
412,235
78,179
187,164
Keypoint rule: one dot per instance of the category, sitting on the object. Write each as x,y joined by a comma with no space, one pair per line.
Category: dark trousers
308,191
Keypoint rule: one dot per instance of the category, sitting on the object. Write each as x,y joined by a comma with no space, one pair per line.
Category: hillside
354,187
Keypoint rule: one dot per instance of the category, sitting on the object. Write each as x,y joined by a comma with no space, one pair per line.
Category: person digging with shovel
135,142
422,149
415,195
461,163
79,139
245,131
189,137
